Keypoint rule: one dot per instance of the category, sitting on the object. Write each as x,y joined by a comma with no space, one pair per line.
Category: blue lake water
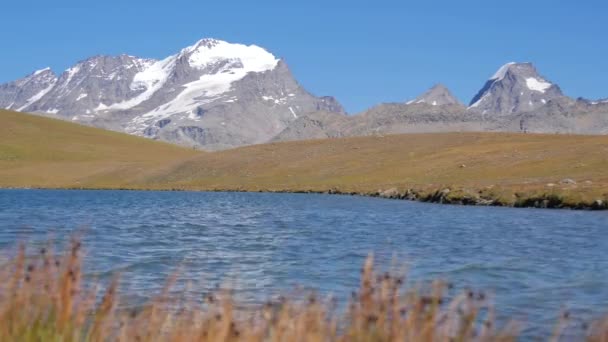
534,261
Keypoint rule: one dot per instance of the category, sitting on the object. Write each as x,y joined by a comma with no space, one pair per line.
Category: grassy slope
497,164
41,152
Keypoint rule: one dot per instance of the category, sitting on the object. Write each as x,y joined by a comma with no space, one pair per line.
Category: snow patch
38,72
207,51
476,104
36,97
81,96
153,76
434,103
500,74
282,100
293,112
204,53
71,72
536,84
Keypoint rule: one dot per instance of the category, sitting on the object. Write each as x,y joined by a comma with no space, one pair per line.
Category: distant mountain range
218,95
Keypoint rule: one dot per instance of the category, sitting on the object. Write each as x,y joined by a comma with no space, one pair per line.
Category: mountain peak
208,51
502,71
208,43
42,71
438,95
515,87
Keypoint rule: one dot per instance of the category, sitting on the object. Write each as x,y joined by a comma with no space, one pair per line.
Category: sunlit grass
483,168
44,297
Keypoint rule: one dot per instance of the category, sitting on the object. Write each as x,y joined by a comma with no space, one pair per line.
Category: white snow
282,100
52,111
36,97
543,101
293,112
434,103
208,87
71,72
536,84
410,102
81,96
529,104
500,74
479,101
253,58
150,80
38,72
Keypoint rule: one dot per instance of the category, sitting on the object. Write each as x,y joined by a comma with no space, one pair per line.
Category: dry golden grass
495,165
491,168
42,152
44,298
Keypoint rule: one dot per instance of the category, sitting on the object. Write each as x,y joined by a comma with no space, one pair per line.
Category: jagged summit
438,95
515,87
212,94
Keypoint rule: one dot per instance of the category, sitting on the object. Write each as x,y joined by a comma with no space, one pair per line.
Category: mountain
219,95
516,99
515,88
317,125
436,110
562,115
212,94
21,94
438,95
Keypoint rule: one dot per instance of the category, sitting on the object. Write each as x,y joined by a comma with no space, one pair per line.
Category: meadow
561,171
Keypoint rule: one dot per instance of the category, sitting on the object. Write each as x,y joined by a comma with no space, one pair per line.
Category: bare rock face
21,94
516,99
514,88
438,95
218,95
318,125
562,115
212,94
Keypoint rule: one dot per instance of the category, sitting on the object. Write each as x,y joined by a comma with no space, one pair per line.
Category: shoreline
445,196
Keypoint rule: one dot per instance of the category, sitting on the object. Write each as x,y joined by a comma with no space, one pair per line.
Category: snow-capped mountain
438,95
218,95
21,94
212,94
515,88
515,99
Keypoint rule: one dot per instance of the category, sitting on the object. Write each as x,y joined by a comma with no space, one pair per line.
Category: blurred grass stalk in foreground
43,298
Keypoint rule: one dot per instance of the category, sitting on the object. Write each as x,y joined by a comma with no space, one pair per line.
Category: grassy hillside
482,165
43,152
499,168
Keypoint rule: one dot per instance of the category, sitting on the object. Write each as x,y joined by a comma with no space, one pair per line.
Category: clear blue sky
362,52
